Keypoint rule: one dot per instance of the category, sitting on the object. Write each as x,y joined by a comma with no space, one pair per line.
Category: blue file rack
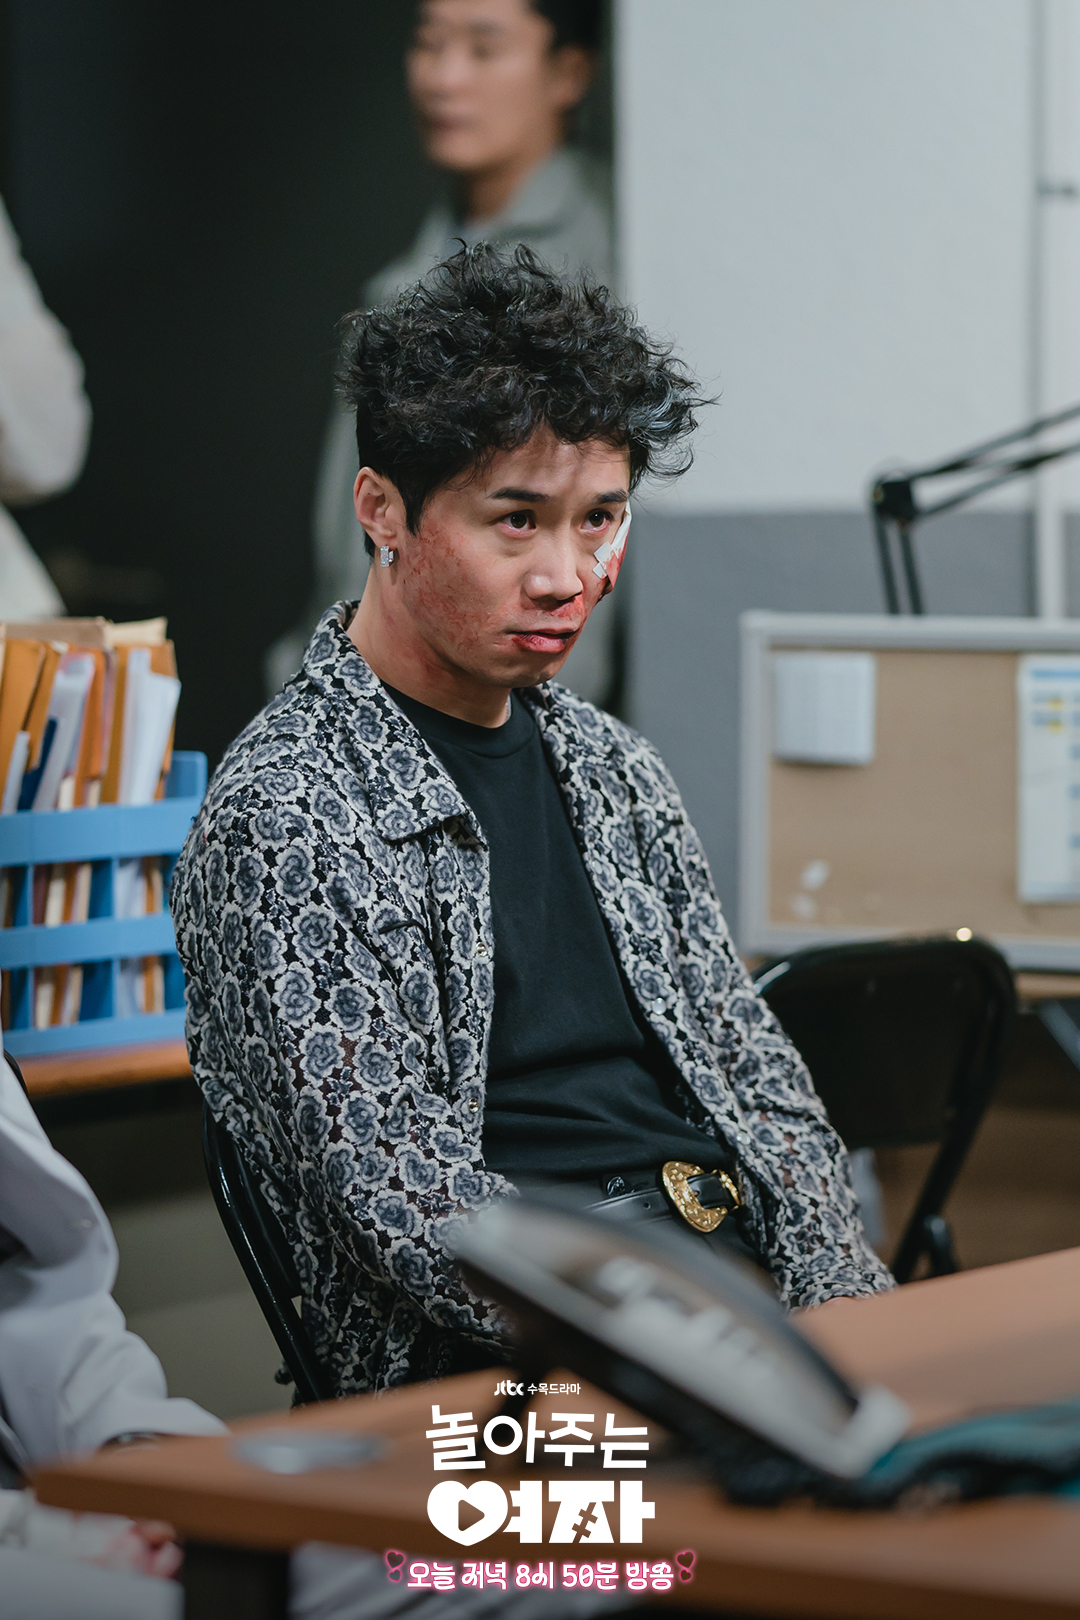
105,836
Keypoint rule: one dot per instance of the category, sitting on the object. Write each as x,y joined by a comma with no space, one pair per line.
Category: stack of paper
86,717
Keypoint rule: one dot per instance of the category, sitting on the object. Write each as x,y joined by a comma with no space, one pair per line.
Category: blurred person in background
44,425
494,85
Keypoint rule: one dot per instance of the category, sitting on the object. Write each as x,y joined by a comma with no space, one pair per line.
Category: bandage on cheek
609,556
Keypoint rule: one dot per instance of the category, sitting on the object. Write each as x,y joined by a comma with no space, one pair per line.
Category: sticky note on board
825,707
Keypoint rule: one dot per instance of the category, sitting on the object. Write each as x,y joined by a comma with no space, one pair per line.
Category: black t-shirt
577,1084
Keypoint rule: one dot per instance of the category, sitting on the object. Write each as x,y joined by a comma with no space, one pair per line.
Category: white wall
1056,278
834,207
828,203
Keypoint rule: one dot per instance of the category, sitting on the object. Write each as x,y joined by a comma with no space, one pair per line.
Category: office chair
255,1233
903,1039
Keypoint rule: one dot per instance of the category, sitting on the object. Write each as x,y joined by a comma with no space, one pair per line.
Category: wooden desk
1032,988
104,1069
996,1337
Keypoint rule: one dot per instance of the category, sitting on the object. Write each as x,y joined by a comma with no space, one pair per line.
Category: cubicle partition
910,776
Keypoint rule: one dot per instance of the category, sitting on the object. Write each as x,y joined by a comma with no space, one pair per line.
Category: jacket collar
546,202
408,787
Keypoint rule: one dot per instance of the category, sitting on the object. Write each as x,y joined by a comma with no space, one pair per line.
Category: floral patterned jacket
333,916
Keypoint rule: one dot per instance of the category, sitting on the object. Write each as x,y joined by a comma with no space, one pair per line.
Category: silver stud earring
386,556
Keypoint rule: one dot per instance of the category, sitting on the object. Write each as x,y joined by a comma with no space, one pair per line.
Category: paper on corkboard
923,839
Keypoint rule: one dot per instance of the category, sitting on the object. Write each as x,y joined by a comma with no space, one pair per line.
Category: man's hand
146,1545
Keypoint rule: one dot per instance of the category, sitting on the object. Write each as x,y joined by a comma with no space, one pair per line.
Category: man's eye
518,520
598,518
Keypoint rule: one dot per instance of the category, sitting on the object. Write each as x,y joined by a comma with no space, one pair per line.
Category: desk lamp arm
894,501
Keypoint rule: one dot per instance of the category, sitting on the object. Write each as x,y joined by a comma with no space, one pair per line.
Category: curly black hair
488,348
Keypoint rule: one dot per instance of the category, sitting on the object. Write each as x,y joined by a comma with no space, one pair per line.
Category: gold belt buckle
676,1178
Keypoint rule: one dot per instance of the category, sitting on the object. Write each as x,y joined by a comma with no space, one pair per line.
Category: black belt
701,1198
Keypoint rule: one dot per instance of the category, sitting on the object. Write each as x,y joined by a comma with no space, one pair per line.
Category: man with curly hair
495,86
446,928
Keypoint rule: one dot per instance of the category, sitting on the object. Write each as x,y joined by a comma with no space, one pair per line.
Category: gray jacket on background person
563,213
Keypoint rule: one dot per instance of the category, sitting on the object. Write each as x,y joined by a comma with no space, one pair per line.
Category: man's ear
380,509
575,68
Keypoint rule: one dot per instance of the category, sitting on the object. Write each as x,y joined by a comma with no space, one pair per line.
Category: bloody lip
542,641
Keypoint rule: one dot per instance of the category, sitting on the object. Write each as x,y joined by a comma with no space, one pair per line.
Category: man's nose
452,70
553,575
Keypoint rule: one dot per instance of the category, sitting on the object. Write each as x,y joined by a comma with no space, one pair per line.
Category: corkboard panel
924,838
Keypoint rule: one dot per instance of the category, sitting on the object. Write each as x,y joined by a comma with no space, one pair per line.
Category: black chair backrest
256,1235
903,1039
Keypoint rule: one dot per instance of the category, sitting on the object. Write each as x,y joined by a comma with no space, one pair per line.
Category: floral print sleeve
806,1213
654,884
315,1026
